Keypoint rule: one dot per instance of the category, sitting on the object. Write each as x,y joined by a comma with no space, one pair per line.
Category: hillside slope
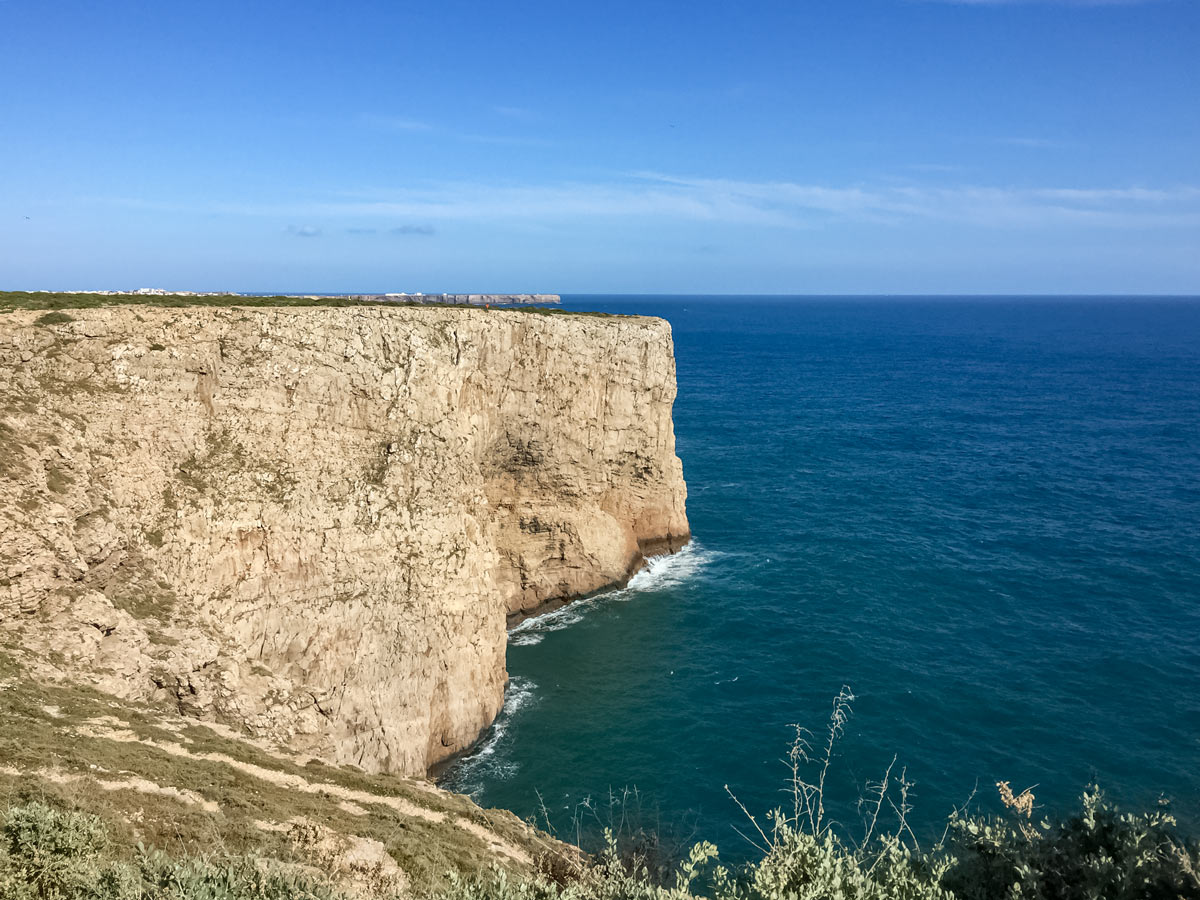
170,783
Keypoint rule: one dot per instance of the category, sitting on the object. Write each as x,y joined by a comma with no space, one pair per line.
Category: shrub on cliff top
50,854
1099,853
13,300
53,318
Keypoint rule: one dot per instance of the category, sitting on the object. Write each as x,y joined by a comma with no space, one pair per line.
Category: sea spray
469,774
660,573
490,761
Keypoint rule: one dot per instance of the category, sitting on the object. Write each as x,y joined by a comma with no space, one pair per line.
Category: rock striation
311,523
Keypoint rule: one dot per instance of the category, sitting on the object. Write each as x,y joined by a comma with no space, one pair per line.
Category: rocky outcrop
466,299
312,523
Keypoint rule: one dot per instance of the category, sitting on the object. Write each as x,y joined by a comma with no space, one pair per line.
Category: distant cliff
311,523
465,299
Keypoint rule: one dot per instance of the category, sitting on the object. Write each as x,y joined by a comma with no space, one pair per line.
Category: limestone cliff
312,523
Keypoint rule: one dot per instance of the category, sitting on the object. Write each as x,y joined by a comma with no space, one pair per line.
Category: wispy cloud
508,140
1043,2
936,168
396,123
655,196
414,127
1032,143
398,230
520,113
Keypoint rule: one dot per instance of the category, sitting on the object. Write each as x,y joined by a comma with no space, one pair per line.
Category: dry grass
179,786
55,301
99,793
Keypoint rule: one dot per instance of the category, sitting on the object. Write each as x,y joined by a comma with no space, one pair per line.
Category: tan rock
311,523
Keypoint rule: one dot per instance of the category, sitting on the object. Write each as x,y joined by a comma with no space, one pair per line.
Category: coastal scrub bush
1095,854
54,301
1098,853
54,318
165,878
48,854
805,857
51,854
623,827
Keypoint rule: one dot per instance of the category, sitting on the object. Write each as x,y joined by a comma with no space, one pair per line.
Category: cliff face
312,522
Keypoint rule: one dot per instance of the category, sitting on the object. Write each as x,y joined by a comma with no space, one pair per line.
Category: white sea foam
469,773
517,696
489,761
659,573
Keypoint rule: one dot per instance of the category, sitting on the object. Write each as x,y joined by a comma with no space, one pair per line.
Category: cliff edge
311,523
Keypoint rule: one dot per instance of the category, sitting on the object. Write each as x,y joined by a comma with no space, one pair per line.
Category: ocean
981,515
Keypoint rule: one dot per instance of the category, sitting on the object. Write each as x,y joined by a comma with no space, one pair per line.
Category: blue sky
881,146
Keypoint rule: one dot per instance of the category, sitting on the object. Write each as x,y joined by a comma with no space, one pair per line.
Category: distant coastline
395,297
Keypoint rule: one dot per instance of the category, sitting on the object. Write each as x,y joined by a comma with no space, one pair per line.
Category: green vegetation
154,780
52,854
82,817
54,318
134,589
555,311
1097,853
12,448
13,300
57,481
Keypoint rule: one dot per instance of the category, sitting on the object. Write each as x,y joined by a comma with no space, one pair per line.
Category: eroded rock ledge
312,523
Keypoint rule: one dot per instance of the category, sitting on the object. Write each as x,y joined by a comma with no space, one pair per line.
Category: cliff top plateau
50,300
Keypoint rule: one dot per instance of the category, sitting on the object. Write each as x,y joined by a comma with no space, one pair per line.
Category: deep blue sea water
983,515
